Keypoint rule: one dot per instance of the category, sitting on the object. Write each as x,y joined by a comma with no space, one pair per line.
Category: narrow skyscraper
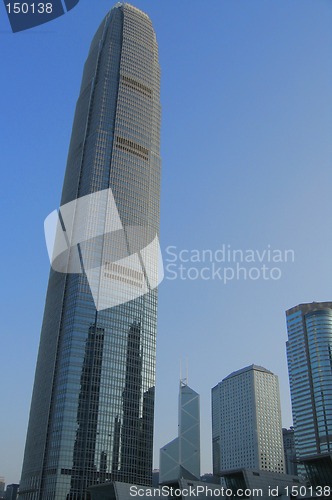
91,417
180,459
246,422
309,355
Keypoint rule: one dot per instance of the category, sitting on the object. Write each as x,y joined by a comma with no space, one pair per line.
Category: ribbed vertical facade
92,409
309,354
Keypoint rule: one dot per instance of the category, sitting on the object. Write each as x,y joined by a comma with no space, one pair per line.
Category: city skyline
255,145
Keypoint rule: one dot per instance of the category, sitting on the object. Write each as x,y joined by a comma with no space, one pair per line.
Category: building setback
92,410
246,422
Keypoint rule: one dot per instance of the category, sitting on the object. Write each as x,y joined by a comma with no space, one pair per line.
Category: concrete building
264,484
246,422
181,489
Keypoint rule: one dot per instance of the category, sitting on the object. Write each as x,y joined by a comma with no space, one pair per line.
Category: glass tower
91,417
180,459
309,354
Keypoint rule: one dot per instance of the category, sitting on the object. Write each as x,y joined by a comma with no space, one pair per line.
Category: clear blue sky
246,148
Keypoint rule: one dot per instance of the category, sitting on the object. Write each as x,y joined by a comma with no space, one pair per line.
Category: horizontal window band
132,147
135,85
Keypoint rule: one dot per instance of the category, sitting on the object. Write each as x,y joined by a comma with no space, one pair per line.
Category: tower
91,416
290,452
309,355
181,457
246,422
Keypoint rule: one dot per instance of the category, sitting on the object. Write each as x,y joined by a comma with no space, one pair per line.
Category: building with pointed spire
181,457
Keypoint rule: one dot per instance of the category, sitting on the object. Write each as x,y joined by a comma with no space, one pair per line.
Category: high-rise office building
246,422
2,487
309,355
11,492
290,451
181,459
92,410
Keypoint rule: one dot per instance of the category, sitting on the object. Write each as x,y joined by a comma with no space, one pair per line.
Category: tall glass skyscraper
92,409
309,354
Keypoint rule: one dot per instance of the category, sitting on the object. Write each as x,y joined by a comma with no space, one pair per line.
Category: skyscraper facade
181,459
2,487
246,422
290,451
309,355
92,410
